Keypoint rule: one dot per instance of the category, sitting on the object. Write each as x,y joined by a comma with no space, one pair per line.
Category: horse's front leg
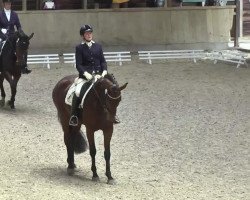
92,150
13,85
107,138
3,95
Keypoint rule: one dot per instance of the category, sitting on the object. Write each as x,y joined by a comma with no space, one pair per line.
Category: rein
100,100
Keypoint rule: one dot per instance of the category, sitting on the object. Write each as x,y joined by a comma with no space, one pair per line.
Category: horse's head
21,47
112,95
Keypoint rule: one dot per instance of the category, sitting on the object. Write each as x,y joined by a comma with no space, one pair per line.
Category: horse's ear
124,86
31,35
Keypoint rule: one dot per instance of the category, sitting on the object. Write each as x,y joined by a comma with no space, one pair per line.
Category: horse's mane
111,77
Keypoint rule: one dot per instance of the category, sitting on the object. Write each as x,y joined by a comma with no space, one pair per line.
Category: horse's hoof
111,182
70,171
95,179
2,103
11,104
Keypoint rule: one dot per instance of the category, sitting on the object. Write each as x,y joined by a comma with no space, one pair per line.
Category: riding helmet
7,1
85,28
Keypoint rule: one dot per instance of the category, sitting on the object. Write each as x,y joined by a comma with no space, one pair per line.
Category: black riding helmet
85,28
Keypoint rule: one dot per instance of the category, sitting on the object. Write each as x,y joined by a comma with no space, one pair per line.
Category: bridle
114,98
104,104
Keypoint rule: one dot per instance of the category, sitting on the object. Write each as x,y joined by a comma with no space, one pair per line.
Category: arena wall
130,28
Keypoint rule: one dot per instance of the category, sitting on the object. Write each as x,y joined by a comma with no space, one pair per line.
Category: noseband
114,98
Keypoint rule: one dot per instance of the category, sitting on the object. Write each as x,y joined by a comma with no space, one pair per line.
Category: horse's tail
80,142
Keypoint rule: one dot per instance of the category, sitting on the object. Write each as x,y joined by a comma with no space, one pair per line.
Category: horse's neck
9,47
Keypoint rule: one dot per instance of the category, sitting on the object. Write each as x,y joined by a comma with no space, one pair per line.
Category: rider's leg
80,91
74,111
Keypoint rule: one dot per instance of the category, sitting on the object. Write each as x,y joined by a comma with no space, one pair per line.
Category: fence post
48,65
238,23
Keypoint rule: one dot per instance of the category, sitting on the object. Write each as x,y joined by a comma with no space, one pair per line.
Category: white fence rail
45,59
173,54
118,57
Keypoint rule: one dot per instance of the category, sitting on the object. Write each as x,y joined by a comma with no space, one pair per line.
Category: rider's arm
79,60
17,22
103,62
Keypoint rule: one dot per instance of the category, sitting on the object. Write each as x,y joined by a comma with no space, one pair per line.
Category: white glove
4,30
88,75
104,73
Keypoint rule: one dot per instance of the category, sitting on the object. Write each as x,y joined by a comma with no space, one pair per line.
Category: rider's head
7,4
86,32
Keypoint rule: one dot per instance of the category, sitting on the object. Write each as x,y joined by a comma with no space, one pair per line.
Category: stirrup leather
73,120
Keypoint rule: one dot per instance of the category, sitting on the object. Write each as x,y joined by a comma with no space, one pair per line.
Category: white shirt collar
89,44
7,12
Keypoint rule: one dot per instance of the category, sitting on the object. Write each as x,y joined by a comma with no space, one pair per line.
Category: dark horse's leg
69,132
2,101
13,80
107,138
92,150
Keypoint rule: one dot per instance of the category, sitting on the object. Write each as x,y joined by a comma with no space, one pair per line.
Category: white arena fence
44,59
171,54
231,56
117,57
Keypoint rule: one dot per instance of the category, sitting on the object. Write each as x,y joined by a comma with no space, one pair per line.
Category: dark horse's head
16,44
110,94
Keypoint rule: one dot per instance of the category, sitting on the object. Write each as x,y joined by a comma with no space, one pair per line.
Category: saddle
78,84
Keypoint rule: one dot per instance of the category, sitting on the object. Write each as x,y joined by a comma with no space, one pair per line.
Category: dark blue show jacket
90,59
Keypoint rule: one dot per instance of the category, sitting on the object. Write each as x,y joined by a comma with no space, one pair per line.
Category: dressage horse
12,60
98,112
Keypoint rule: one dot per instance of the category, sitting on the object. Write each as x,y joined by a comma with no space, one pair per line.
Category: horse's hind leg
68,140
3,95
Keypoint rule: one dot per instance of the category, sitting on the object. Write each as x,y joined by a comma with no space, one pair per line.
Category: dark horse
98,113
12,60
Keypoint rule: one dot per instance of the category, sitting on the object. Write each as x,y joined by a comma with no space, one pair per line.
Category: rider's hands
104,73
4,30
97,76
88,75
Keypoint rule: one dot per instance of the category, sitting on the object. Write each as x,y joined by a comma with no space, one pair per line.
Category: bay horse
12,60
98,113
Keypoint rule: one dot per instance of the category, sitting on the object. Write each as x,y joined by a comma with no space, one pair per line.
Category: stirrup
73,120
116,120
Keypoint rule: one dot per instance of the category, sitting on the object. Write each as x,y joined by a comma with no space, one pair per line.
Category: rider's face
88,36
7,5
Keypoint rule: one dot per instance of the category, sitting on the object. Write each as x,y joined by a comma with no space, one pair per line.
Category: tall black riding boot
74,111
